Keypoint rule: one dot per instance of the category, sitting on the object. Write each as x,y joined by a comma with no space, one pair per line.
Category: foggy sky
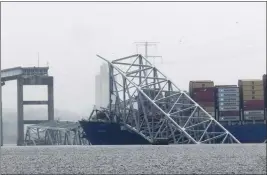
222,42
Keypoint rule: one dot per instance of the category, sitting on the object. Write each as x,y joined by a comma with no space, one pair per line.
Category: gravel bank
172,159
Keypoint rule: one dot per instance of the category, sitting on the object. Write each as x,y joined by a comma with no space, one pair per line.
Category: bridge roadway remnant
29,76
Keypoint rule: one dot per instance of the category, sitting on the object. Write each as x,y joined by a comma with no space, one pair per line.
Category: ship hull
249,133
104,133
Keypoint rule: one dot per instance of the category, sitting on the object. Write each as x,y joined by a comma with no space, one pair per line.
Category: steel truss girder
52,135
145,100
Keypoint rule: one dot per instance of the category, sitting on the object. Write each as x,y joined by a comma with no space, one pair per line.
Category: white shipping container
228,95
229,108
229,118
226,90
256,112
223,94
230,103
223,99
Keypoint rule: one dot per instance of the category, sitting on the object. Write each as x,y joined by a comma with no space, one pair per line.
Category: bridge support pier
35,80
20,129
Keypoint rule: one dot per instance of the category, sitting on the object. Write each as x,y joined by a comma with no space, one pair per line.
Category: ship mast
146,44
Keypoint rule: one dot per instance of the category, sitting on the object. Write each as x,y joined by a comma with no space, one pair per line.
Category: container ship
241,109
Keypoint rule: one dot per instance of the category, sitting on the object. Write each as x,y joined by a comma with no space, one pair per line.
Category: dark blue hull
103,133
249,133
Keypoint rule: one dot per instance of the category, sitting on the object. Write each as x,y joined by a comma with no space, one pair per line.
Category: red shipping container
208,104
208,100
252,108
208,89
228,113
203,94
253,102
204,98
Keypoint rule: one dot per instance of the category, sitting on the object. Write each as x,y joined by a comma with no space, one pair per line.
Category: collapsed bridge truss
146,101
55,133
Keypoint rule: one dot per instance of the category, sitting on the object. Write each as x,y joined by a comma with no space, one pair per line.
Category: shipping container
254,112
253,115
241,98
231,103
229,113
228,95
206,99
229,108
225,86
253,102
227,100
228,104
264,80
206,103
252,97
229,118
252,88
209,89
201,83
265,94
209,109
250,82
228,90
223,99
248,108
223,94
203,95
254,106
255,93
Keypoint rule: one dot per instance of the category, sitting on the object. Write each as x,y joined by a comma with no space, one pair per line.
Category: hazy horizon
219,41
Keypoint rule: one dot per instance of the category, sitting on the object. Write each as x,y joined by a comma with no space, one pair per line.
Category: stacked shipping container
252,103
265,95
227,103
203,93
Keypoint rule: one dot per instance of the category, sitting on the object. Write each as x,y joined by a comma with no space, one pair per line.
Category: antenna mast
146,44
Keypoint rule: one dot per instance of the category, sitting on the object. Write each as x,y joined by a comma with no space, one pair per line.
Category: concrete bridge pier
35,80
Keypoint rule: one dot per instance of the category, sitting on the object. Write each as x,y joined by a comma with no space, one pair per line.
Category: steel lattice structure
149,103
55,133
